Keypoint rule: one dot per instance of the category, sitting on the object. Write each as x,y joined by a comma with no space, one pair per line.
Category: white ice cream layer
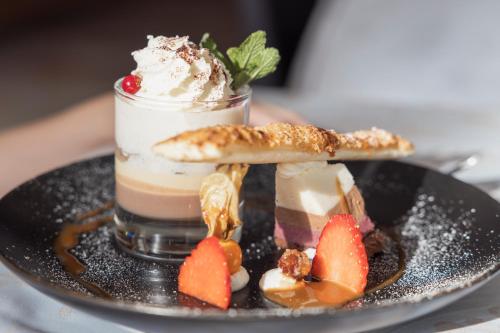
311,187
140,126
173,68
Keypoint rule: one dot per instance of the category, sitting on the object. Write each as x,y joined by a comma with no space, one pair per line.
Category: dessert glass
157,209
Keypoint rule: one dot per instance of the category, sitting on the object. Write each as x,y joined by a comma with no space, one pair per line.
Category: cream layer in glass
149,185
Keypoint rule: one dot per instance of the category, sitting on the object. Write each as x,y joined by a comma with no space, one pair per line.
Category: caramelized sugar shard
219,196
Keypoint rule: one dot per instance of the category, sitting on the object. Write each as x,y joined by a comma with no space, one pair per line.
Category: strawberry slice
341,255
205,274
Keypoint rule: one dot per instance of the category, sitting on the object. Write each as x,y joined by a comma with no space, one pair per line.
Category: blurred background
55,53
429,70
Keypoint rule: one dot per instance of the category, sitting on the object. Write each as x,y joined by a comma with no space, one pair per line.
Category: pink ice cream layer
287,235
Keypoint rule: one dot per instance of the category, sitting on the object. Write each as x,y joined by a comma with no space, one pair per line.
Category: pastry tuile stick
281,143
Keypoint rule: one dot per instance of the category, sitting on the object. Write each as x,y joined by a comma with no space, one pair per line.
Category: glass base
157,239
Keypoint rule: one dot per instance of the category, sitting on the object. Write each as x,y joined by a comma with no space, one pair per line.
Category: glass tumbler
157,209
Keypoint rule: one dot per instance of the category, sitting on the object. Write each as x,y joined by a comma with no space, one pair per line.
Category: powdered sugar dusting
449,234
434,245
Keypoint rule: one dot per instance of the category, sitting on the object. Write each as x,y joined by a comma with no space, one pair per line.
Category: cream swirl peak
173,68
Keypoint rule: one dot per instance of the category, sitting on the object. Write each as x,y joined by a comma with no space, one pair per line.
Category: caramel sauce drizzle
313,294
68,238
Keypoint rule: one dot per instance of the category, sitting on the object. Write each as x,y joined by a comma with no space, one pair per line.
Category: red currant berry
131,84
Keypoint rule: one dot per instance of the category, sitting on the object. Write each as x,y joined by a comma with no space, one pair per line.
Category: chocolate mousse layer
156,202
298,229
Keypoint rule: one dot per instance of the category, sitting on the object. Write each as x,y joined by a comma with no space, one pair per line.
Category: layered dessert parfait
176,86
308,194
179,86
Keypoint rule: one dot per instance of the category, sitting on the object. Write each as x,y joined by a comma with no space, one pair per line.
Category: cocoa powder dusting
188,54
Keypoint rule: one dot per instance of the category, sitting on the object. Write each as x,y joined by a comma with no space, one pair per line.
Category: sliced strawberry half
341,255
205,274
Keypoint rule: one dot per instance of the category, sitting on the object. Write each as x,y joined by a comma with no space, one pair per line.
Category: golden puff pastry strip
280,143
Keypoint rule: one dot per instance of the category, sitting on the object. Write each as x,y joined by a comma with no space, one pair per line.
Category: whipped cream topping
173,68
239,279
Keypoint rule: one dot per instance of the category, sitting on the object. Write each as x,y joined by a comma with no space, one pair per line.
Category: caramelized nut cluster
295,264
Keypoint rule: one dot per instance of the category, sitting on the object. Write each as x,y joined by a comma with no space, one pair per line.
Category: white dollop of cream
275,279
289,170
239,279
175,69
310,253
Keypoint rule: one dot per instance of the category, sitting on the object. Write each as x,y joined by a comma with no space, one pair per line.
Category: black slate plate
450,233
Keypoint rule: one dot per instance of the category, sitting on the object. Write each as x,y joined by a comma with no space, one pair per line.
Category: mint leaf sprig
249,61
